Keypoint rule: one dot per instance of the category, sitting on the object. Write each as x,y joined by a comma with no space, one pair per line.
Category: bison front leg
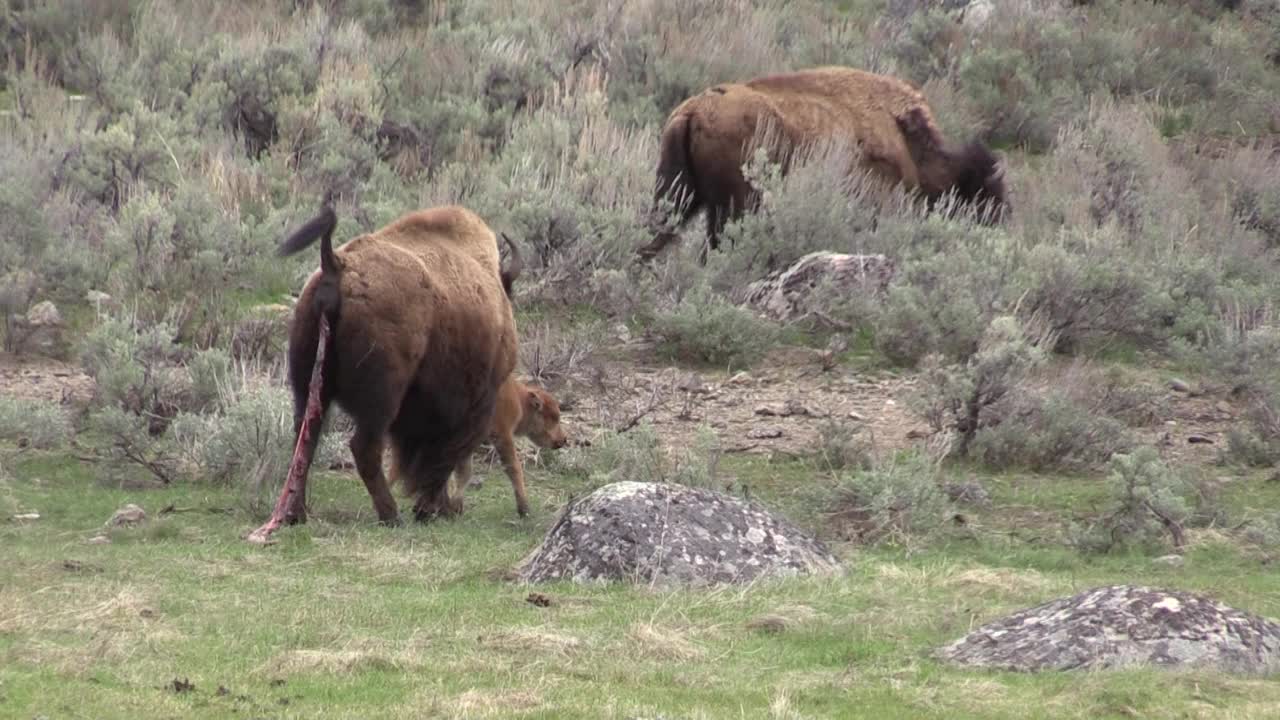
366,450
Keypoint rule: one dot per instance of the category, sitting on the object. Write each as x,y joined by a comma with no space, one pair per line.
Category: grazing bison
521,410
410,331
708,138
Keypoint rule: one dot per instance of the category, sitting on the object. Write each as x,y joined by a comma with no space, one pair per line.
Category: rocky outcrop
816,282
1123,626
668,534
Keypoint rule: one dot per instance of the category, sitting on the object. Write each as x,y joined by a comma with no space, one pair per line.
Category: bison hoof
523,511
391,522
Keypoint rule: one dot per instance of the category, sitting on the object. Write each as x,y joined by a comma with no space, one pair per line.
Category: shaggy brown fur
423,336
708,138
521,410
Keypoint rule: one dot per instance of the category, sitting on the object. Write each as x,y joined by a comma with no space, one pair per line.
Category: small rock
741,378
764,433
856,416
99,540
1171,423
969,492
622,332
97,298
916,434
538,599
807,285
27,516
44,314
128,515
771,411
1170,560
693,384
1224,408
1199,439
795,407
1178,385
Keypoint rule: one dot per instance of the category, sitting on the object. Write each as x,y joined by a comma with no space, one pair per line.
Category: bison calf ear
534,400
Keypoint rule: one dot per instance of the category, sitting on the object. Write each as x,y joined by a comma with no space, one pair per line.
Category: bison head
541,420
980,181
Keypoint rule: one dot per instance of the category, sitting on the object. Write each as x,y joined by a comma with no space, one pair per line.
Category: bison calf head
540,421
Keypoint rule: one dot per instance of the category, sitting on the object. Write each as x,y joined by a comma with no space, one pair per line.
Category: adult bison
708,138
410,331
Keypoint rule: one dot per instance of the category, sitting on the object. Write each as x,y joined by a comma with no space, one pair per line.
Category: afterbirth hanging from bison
410,330
708,138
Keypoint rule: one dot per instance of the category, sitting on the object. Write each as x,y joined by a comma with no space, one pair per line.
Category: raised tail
514,267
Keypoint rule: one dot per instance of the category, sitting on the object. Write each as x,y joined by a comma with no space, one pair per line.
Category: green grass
344,619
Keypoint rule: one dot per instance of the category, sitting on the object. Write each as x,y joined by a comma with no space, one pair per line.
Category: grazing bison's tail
675,181
327,297
675,167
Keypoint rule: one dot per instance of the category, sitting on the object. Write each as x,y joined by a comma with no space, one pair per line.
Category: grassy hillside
1117,335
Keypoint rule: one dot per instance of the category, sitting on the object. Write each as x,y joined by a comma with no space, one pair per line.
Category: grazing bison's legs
511,461
660,242
291,504
366,450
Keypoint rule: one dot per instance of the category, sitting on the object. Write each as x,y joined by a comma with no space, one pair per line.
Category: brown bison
708,138
410,331
521,410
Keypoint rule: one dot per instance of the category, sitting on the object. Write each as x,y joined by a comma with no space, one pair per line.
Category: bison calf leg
515,471
366,450
464,476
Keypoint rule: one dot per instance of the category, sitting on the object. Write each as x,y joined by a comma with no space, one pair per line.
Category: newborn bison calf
410,330
521,410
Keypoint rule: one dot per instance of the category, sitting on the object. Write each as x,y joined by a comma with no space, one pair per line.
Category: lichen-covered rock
1121,626
40,332
669,534
814,281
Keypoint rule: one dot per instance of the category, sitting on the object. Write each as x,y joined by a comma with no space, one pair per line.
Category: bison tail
675,177
327,298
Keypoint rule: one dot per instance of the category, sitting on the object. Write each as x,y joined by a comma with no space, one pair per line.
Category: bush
1149,505
705,328
637,456
34,424
896,501
956,397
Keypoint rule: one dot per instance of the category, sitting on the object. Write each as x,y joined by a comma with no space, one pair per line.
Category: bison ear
534,399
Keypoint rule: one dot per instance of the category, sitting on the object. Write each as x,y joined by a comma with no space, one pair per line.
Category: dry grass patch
661,643
334,661
998,581
495,703
533,640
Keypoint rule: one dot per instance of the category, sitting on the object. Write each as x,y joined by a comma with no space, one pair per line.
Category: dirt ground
778,407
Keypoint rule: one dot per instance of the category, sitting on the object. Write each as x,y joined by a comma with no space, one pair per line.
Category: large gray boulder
1123,625
668,534
816,282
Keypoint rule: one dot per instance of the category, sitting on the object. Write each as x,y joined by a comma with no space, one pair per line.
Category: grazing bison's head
541,420
980,180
